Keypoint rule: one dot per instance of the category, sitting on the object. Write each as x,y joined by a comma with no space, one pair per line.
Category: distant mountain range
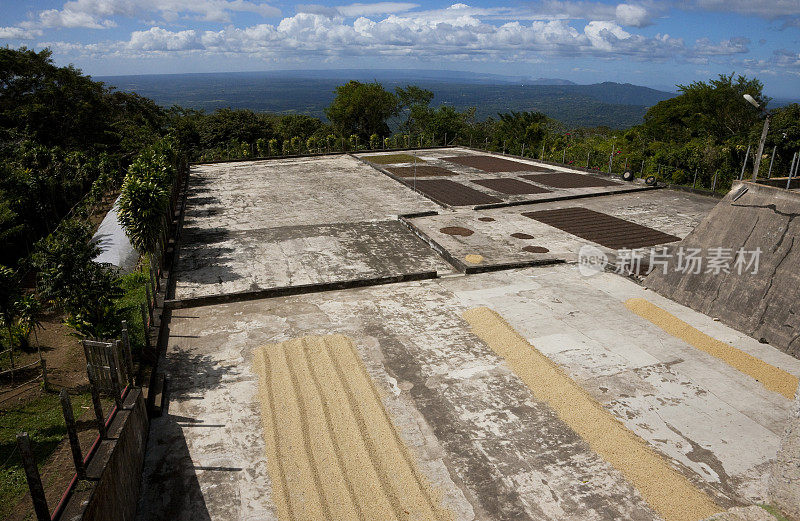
309,91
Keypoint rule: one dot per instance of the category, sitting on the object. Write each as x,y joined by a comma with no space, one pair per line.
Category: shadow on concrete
191,374
170,488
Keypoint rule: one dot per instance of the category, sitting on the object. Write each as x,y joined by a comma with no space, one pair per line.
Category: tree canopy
362,109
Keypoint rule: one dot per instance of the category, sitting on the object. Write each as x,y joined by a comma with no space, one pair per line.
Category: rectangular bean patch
495,164
452,193
420,171
603,229
333,452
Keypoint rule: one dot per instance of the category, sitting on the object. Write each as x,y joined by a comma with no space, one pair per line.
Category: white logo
591,260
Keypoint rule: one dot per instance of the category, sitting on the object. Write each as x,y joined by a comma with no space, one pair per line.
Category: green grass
392,158
42,419
774,512
129,304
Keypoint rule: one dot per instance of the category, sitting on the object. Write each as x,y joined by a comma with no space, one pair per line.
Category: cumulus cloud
456,33
98,14
633,15
18,33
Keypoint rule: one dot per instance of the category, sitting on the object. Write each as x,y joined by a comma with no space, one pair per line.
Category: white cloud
98,14
632,15
455,33
736,45
18,33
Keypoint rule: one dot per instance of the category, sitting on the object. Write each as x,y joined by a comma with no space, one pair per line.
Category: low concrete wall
114,473
784,486
765,304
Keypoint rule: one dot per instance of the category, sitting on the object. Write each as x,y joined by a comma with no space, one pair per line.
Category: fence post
72,433
96,404
694,183
587,159
744,165
33,478
714,182
126,351
112,365
145,325
769,173
150,304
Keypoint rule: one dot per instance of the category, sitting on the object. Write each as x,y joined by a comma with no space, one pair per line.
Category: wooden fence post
126,351
98,406
72,433
33,478
112,365
146,326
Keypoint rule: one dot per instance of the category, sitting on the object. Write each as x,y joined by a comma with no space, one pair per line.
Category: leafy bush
145,193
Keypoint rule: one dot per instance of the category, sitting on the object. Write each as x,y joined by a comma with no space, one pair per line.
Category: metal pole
72,434
744,165
523,150
564,156
714,182
694,183
764,131
587,159
791,165
769,173
33,477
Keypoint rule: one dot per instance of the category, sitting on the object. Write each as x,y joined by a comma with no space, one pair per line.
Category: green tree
69,277
9,296
362,109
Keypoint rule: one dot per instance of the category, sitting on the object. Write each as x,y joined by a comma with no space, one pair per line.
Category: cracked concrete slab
223,263
255,225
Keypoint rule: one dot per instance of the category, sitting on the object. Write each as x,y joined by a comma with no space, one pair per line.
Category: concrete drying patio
529,393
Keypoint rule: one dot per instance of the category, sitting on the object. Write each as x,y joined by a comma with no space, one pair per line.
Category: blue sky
649,43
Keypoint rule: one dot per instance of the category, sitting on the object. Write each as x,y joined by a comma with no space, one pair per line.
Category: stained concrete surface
257,225
476,431
220,263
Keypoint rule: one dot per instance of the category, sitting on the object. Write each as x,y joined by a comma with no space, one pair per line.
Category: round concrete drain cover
456,230
535,249
520,235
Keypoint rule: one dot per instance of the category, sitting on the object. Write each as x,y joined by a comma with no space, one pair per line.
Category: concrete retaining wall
114,473
765,304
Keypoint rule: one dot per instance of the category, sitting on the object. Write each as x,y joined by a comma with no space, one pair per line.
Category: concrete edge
470,270
492,206
302,289
435,246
